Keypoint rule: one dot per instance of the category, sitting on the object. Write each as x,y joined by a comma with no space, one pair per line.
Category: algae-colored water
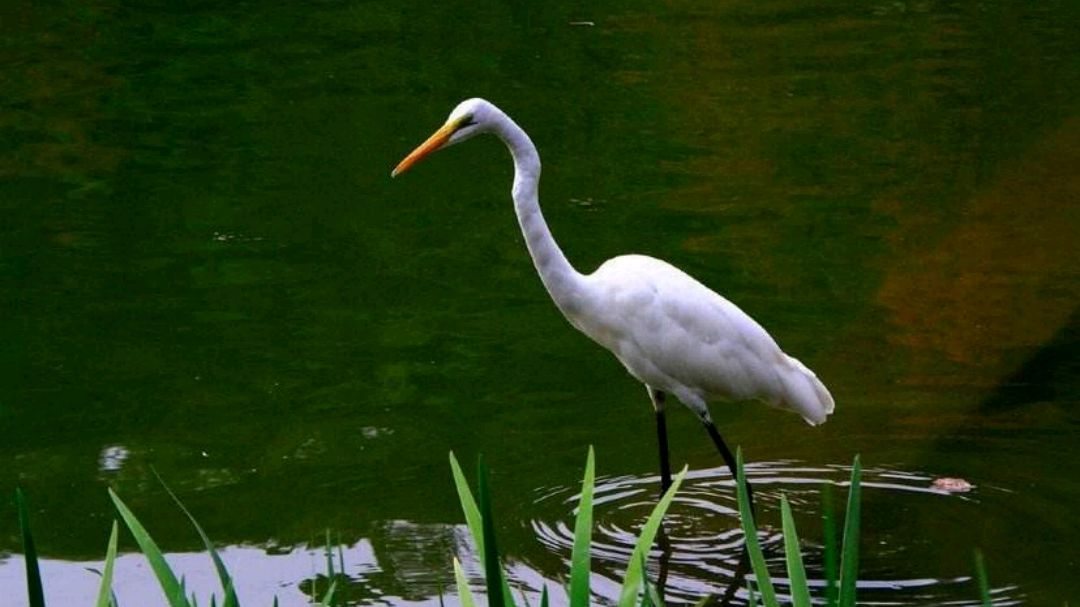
205,268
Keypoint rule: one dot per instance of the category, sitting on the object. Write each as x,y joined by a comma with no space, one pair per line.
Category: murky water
205,270
703,555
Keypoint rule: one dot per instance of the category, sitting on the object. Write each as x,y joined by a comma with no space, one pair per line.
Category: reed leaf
34,591
650,597
329,557
983,579
849,558
329,596
464,594
800,592
829,530
468,506
579,570
498,592
473,519
105,598
230,597
753,548
170,586
635,570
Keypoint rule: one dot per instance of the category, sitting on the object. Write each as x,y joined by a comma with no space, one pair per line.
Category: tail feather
805,394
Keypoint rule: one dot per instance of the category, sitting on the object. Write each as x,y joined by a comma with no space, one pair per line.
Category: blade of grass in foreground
983,579
472,516
849,558
651,596
468,505
498,593
329,597
464,594
753,548
104,598
223,573
579,570
174,591
830,544
33,574
635,570
800,593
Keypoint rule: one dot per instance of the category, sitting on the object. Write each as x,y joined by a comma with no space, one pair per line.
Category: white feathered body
667,329
678,336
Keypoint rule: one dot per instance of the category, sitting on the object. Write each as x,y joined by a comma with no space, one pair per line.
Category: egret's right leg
728,458
658,399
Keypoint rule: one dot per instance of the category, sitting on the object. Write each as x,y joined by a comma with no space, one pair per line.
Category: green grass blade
983,579
464,594
231,599
472,516
498,592
104,598
344,598
174,591
635,570
849,558
544,597
579,570
33,573
468,506
800,592
753,548
329,557
829,524
651,597
328,598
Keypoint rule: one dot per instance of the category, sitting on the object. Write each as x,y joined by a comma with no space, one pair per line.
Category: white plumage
670,332
675,335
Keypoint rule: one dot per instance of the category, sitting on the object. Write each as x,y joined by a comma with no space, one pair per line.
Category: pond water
205,270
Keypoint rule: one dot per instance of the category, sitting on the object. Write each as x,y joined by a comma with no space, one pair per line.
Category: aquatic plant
172,587
840,594
478,516
636,590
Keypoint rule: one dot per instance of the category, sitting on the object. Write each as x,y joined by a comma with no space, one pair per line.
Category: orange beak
432,144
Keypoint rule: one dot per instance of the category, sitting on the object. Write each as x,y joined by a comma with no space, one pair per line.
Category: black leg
729,459
737,580
665,462
658,398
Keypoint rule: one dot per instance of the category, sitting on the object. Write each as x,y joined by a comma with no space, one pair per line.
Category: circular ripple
703,540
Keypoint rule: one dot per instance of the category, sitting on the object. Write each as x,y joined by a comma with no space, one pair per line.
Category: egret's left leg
729,459
658,399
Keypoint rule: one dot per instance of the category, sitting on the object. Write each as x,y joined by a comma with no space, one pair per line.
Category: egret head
469,119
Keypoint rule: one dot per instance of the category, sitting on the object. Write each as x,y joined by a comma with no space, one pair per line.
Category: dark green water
205,268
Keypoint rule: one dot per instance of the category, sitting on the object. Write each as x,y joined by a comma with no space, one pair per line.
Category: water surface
205,269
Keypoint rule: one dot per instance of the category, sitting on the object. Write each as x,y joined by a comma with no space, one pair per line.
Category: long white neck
562,281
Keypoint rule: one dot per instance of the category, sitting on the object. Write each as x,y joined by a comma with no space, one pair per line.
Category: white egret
670,332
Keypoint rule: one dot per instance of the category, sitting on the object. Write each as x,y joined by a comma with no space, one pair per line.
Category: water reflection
403,562
112,458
